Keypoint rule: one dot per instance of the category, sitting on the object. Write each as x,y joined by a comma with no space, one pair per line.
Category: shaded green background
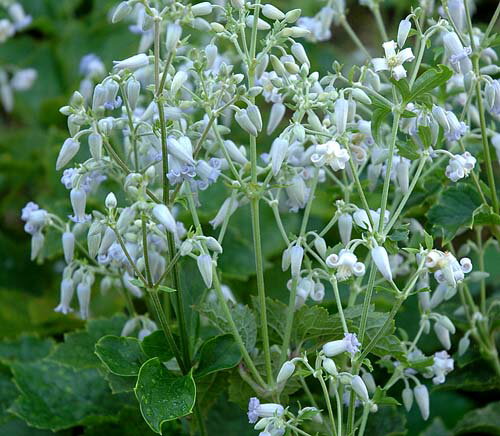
30,137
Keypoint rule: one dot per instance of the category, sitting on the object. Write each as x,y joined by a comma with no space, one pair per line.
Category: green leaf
379,116
242,316
429,80
78,347
485,216
425,135
408,149
137,283
380,397
485,420
162,395
24,349
454,210
217,354
166,289
122,356
403,88
119,384
156,345
388,421
55,396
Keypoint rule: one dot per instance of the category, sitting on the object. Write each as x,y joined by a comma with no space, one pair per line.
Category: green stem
482,118
366,302
153,293
335,287
406,197
255,211
328,404
234,330
480,249
364,420
352,34
380,22
387,179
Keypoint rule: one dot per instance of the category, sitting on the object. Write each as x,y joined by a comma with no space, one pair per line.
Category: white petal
380,64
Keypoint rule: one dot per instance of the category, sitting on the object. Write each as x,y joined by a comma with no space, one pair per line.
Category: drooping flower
349,344
460,166
443,365
257,410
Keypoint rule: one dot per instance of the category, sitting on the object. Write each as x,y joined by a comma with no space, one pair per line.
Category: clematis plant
223,103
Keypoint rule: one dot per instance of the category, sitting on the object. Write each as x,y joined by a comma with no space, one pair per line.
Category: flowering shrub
244,121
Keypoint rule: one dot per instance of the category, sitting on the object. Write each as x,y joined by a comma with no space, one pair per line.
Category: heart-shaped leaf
217,354
122,356
162,395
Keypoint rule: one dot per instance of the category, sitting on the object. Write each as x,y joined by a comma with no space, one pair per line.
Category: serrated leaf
78,347
217,354
120,355
429,80
454,210
485,420
55,396
242,316
162,395
156,345
408,149
485,216
25,349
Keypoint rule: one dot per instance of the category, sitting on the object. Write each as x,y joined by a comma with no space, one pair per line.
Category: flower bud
178,81
213,244
296,256
94,239
320,246
68,243
95,145
68,151
133,289
402,174
278,153
243,119
345,227
121,12
403,31
369,382
238,4
235,153
163,215
37,243
443,335
132,63
359,387
299,53
422,398
329,366
361,96
276,116
381,259
341,108
127,215
261,24
463,345
133,92
286,372
272,12
174,33
211,54
200,9
110,201
204,262
293,15
255,117
407,395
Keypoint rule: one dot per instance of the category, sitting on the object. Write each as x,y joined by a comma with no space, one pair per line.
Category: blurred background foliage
62,32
